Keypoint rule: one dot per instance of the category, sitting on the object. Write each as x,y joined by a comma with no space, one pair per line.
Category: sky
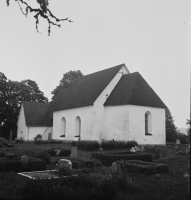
148,36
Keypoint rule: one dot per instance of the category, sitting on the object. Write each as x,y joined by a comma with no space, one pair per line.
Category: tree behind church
67,80
12,94
171,129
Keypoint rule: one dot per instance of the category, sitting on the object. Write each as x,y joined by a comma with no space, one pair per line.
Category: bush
43,155
88,145
33,164
131,144
148,168
108,159
107,145
63,151
71,188
38,142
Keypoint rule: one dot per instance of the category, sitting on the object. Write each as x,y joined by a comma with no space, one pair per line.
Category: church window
63,127
148,126
78,127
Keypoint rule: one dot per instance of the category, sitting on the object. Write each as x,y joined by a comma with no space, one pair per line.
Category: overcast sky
149,36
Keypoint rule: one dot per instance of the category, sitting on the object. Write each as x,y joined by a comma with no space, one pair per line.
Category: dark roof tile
132,89
86,89
37,114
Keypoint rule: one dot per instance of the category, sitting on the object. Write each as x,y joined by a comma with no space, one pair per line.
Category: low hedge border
108,159
15,165
147,168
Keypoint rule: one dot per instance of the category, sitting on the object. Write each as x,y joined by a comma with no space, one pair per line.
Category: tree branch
42,11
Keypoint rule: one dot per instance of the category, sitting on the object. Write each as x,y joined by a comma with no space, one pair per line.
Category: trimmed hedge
112,144
33,164
71,188
108,159
63,151
88,145
48,142
148,168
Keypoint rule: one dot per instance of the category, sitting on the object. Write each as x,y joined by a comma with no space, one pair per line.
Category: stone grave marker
65,163
177,141
100,149
74,151
114,167
24,159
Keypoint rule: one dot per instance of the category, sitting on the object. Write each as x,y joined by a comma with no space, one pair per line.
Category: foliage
171,129
67,80
184,139
63,151
148,168
16,165
107,145
41,10
71,188
37,138
107,159
88,145
188,123
12,94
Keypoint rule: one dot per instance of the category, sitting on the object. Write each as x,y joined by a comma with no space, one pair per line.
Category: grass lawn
172,186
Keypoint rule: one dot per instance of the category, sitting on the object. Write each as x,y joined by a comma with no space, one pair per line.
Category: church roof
86,89
37,114
132,89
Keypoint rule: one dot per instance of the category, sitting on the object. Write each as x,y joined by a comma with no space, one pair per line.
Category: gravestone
74,152
177,141
24,159
65,163
114,167
57,151
100,149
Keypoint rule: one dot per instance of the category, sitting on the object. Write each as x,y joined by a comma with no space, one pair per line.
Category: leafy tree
188,123
12,93
67,80
41,10
171,129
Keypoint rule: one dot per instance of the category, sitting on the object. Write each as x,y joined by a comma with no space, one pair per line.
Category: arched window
78,127
148,125
63,127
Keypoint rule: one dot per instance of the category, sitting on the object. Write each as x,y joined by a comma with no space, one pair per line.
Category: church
112,104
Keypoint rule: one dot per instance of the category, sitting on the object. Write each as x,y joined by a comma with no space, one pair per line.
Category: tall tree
171,129
67,80
40,10
12,93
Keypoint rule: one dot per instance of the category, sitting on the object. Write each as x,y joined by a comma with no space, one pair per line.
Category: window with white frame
148,123
77,127
63,127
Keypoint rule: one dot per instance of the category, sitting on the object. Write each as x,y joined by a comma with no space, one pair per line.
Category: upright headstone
101,150
65,163
177,141
74,151
114,167
24,159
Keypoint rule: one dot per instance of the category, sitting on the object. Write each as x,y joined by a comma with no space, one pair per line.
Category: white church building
105,105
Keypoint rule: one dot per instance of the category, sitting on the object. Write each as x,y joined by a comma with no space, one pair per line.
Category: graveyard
72,170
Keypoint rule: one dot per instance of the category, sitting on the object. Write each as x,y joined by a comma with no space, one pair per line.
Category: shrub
71,188
112,144
33,164
88,145
108,159
88,163
145,167
131,144
43,155
63,151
